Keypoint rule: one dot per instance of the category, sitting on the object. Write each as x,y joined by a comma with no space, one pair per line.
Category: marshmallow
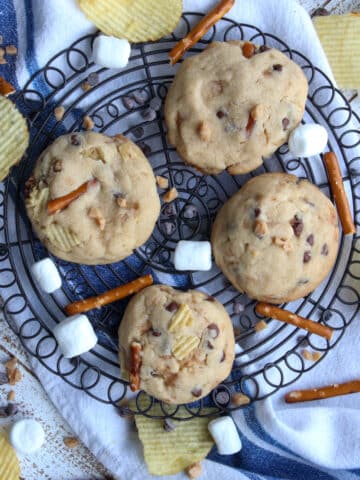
111,52
27,436
308,140
225,435
75,335
191,255
46,275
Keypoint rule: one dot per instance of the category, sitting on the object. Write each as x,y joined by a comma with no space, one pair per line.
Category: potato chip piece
38,200
181,319
184,345
63,238
167,453
340,38
9,463
14,136
136,20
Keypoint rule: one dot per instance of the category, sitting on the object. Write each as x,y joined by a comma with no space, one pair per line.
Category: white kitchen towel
279,441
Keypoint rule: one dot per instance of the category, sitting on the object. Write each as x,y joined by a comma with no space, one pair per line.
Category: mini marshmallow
46,275
225,435
75,335
308,140
111,52
192,255
27,436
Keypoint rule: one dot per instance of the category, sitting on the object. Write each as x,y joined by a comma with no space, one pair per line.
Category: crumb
162,182
170,195
307,355
11,364
3,61
316,356
71,442
86,86
240,399
194,471
11,50
11,396
59,113
88,123
14,376
260,326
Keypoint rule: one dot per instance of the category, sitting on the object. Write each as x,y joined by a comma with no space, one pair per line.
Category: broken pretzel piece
110,296
135,358
199,31
338,191
324,392
268,310
60,203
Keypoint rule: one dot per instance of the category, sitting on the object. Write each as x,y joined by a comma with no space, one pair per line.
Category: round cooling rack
266,360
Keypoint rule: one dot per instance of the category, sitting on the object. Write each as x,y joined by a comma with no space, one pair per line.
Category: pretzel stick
268,310
338,191
135,355
324,392
199,31
110,296
6,88
62,202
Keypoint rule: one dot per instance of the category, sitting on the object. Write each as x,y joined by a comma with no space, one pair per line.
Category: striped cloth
320,440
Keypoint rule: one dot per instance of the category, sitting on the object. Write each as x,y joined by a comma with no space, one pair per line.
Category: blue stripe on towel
30,54
10,37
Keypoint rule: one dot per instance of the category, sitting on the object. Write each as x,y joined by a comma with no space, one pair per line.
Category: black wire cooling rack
266,360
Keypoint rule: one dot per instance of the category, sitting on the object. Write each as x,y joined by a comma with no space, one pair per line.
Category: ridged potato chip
167,453
9,463
340,38
38,199
181,319
14,136
62,237
136,20
184,345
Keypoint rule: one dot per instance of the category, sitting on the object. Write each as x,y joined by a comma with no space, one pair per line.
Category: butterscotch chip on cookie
186,339
228,110
116,213
276,239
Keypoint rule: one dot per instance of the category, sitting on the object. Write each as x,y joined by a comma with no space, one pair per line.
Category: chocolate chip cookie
277,238
186,341
116,214
231,106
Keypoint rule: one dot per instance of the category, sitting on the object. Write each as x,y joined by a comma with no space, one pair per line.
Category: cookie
277,238
187,343
227,111
113,217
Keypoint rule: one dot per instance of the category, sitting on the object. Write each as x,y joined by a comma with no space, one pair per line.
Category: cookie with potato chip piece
167,453
186,343
9,463
137,21
14,136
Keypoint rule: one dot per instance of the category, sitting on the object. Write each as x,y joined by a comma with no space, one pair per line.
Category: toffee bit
257,212
71,442
88,123
240,399
86,86
307,257
221,114
162,182
248,49
263,48
11,50
262,325
59,113
170,195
